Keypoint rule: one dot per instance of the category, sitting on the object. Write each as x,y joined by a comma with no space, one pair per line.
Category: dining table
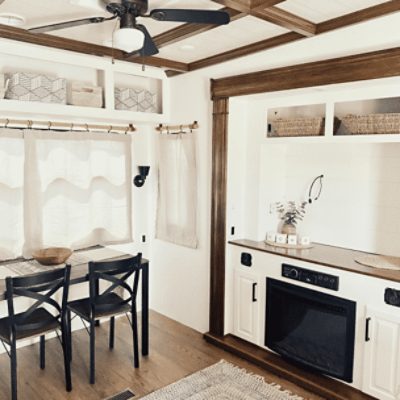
80,274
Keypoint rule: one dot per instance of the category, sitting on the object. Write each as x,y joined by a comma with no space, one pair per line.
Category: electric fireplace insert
310,328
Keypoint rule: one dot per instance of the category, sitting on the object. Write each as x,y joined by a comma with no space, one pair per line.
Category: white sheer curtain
77,189
11,193
177,191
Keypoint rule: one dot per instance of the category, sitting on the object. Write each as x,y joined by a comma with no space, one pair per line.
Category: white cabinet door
382,356
246,306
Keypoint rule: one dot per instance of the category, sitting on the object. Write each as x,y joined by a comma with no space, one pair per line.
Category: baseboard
321,385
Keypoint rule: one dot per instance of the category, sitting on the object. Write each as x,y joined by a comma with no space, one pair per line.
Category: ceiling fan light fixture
11,19
128,39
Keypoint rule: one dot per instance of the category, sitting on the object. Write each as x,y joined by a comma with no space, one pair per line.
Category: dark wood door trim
218,215
374,65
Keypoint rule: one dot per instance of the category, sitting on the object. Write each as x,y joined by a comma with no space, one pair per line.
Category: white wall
180,276
359,204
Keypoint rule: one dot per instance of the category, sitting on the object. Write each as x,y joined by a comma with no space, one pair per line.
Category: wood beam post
286,20
218,215
374,65
42,39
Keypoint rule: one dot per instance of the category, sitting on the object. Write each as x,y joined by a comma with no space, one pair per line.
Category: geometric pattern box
135,100
35,87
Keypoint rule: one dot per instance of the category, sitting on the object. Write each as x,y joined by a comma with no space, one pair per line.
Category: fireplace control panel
312,277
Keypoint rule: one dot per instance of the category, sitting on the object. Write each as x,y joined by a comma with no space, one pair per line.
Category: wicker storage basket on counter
372,124
297,127
25,86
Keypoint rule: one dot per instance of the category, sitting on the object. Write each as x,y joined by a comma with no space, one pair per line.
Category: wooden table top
78,260
328,256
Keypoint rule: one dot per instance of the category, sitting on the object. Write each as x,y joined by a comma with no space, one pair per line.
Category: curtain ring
7,122
30,123
49,125
87,127
126,130
71,127
109,131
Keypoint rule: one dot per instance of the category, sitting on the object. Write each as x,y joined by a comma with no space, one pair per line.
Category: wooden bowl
52,255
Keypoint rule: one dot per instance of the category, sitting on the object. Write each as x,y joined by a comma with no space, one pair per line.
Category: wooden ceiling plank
359,16
42,39
238,5
286,20
374,65
188,30
263,4
246,50
248,5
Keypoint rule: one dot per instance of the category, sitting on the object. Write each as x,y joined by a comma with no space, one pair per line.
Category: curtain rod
175,129
64,126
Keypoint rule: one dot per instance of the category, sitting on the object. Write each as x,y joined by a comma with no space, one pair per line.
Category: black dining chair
37,320
108,303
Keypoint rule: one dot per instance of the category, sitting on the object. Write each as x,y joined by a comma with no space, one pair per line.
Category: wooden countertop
328,256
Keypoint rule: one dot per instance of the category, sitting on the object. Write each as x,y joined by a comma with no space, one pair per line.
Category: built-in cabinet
382,355
88,70
377,341
247,304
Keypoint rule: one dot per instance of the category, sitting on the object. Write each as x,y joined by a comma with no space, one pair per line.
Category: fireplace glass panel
311,328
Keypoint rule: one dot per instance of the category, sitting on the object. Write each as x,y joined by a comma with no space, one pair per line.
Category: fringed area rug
222,381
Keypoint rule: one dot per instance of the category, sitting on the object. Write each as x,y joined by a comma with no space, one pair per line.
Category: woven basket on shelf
372,124
298,127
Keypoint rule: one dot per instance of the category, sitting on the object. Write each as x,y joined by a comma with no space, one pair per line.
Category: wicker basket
298,127
85,96
372,124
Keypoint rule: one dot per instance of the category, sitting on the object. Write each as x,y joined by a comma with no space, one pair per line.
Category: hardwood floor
175,351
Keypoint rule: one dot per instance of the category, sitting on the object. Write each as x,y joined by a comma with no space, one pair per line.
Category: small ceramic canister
281,238
292,239
305,240
271,236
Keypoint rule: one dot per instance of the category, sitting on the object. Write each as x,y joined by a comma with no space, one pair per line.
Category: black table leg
145,309
97,323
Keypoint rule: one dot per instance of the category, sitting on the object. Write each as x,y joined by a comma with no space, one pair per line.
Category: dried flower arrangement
291,213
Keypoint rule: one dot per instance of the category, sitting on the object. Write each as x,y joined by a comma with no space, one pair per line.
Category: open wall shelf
344,122
89,70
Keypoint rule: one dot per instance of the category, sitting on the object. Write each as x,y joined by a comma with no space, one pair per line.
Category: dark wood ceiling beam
359,16
374,65
188,30
42,39
246,50
286,20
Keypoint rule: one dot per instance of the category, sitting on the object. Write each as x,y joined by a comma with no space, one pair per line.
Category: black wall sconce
141,178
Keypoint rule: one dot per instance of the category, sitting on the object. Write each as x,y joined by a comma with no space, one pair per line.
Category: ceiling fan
133,37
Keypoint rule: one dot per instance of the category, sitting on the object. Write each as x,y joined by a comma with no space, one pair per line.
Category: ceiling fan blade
149,48
191,16
70,24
